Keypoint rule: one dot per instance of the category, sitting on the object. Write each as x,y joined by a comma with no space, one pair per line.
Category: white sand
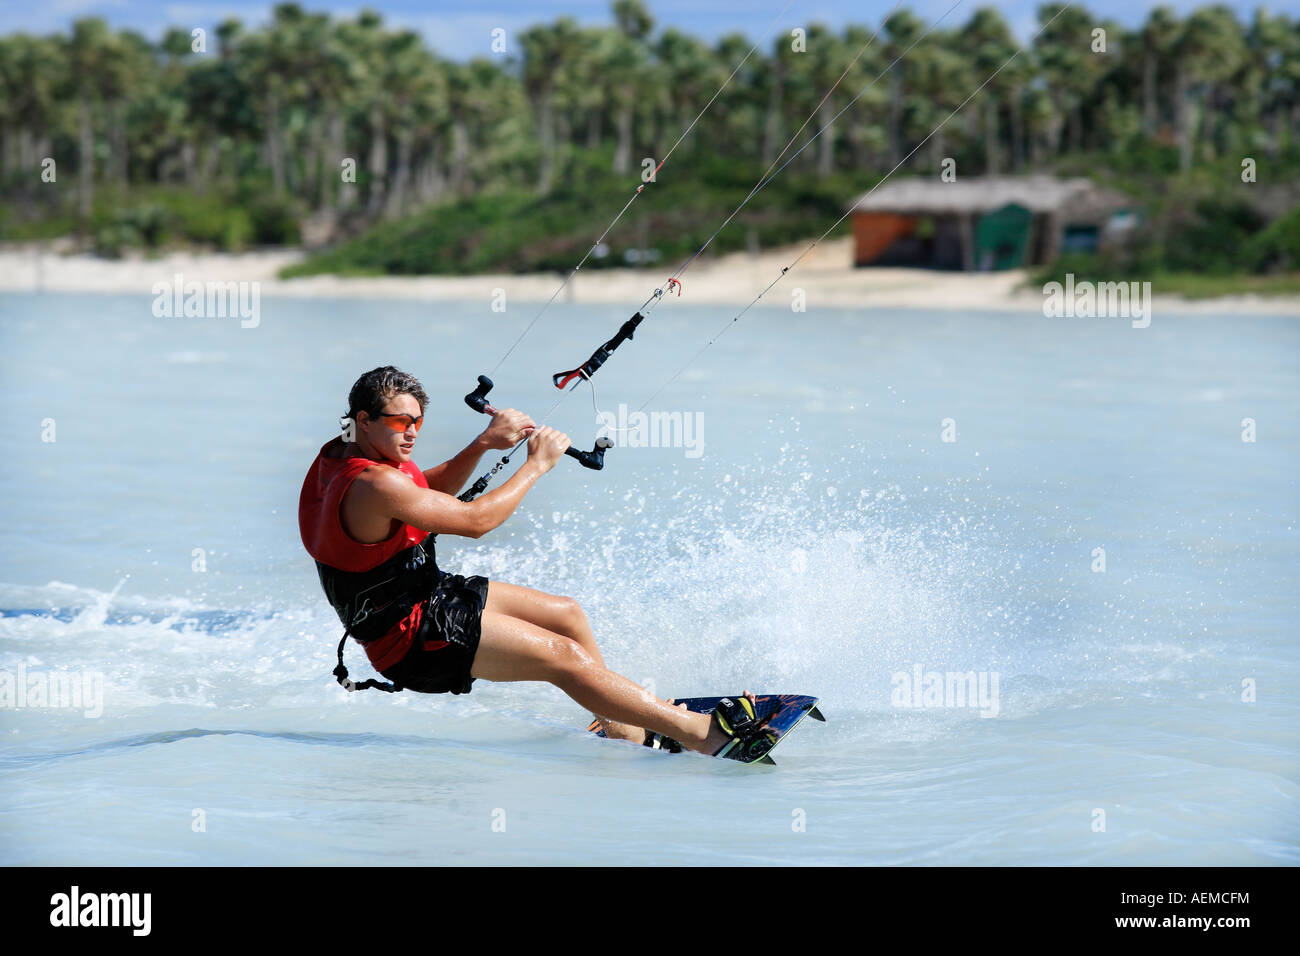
825,276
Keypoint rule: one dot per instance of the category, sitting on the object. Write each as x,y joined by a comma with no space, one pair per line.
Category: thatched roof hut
992,222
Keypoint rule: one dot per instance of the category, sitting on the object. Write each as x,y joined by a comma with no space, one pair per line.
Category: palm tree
627,69
546,49
1268,79
495,118
364,38
690,77
96,68
272,59
861,128
988,44
942,77
32,75
184,131
222,101
1208,50
903,29
738,115
1070,68
418,87
1159,34
827,59
590,97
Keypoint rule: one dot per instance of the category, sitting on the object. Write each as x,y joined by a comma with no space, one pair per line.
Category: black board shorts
442,650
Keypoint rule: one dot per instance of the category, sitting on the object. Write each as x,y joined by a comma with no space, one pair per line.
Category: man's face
380,433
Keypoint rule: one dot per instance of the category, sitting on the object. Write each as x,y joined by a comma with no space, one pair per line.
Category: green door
1002,238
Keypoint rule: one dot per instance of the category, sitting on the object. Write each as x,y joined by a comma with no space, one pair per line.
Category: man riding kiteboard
368,515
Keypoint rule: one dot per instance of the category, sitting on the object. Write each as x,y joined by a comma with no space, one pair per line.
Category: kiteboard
777,714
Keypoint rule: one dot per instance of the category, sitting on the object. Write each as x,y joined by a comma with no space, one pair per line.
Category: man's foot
717,736
617,731
714,740
666,743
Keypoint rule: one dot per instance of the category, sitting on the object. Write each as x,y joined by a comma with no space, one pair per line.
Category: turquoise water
822,539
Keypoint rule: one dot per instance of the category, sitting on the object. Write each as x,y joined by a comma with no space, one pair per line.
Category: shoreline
825,275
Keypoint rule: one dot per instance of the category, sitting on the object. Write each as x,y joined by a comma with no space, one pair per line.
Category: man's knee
572,614
569,663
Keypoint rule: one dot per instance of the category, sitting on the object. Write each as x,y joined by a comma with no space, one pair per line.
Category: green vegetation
520,231
412,164
1190,285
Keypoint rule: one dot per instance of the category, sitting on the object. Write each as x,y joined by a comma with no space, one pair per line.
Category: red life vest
376,589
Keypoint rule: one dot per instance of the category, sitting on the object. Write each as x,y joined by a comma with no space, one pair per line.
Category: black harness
370,603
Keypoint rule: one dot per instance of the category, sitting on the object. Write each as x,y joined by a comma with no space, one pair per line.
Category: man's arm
439,513
508,428
451,476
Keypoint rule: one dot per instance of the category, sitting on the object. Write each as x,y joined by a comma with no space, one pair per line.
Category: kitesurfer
368,515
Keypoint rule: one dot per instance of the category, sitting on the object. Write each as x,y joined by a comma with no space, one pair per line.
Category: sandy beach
825,276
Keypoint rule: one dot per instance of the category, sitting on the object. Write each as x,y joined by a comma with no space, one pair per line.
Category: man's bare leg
511,649
561,615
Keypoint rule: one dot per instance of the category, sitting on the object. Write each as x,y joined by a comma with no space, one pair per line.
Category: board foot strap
657,741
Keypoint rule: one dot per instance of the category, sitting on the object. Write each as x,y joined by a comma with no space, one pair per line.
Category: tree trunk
826,142
772,125
1055,128
1183,108
397,197
546,135
274,155
684,117
210,163
86,161
991,137
593,129
377,164
937,145
189,164
334,147
895,118
459,158
858,146
563,132
316,163
1017,131
623,151
1206,128
432,184
1150,118
118,148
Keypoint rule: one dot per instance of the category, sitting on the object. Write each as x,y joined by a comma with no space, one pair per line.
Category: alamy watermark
208,300
76,908
922,688
71,690
1106,300
654,430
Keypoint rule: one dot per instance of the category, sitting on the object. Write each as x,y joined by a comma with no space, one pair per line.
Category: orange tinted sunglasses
400,423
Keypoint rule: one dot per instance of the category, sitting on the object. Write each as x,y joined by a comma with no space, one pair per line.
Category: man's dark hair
373,390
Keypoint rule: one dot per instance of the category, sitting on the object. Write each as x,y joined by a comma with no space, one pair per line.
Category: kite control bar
588,368
594,459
